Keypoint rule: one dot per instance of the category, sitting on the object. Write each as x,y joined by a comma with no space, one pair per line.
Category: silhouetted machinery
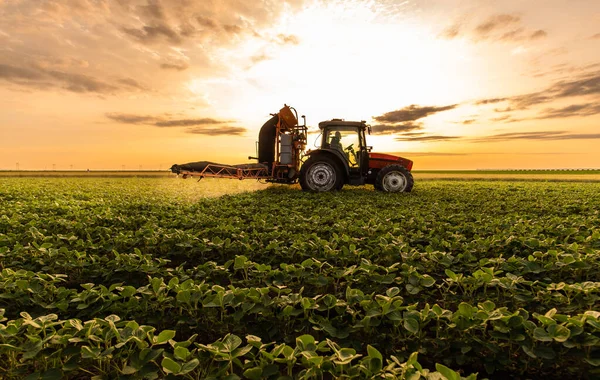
342,158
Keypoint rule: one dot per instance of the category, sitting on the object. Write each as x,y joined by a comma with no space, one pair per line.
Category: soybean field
152,278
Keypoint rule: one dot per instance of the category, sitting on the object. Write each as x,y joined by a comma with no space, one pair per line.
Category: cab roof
342,123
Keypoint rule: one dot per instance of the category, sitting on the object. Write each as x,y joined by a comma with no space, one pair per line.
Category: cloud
467,122
490,101
188,122
12,73
411,113
388,129
495,22
428,154
38,77
175,65
538,34
427,138
227,130
583,85
202,126
131,119
596,36
499,27
288,39
580,110
543,135
152,33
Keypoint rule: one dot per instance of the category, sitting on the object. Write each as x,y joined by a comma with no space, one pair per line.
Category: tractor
343,158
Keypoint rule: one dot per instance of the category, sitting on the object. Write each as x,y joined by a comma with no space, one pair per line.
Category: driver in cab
335,142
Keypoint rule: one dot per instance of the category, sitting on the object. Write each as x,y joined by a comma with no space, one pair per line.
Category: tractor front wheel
321,173
394,179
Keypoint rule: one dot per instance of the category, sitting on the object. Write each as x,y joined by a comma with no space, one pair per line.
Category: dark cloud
179,66
131,119
543,135
129,82
220,131
411,113
153,9
12,73
500,27
580,110
538,34
428,154
490,101
38,77
584,85
188,122
427,138
495,22
153,33
232,29
203,126
207,22
388,129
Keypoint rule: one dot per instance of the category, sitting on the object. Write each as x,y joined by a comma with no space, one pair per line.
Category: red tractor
342,158
345,158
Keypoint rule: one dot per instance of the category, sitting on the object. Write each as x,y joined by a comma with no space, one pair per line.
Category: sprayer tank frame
281,142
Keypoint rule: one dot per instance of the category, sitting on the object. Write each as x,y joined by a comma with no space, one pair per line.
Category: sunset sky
450,84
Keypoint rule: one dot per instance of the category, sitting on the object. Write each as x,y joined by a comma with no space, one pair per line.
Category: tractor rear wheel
321,173
394,179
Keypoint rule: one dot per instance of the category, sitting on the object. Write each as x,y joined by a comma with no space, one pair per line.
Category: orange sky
451,84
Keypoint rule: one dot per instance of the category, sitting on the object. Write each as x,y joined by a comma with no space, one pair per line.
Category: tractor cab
345,158
347,140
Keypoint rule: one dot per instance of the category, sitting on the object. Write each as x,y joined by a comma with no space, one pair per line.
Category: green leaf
447,372
411,325
170,366
374,353
164,336
181,353
189,366
541,335
254,373
451,275
232,342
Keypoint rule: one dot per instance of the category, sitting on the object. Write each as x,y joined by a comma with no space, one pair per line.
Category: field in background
149,277
540,175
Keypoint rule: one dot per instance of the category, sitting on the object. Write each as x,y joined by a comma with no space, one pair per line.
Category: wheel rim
394,182
321,177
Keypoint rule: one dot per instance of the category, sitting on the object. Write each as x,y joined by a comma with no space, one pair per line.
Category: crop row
111,348
418,275
513,338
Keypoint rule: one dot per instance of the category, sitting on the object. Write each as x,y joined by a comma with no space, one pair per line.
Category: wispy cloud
498,27
388,129
429,138
37,77
574,110
411,113
202,126
542,135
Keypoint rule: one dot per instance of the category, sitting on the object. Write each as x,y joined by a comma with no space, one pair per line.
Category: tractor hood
379,160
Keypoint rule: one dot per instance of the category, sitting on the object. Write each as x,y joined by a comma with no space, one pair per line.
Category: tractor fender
334,154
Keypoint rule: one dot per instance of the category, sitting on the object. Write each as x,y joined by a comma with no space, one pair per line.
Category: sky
450,84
